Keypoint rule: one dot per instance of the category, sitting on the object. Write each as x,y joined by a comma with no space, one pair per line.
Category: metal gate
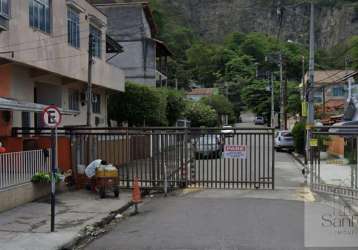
169,158
157,156
238,158
334,167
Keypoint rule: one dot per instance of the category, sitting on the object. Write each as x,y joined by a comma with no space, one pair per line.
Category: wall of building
128,25
22,88
51,52
5,89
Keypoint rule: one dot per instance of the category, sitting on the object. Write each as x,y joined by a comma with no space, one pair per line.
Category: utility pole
89,84
310,87
282,95
272,101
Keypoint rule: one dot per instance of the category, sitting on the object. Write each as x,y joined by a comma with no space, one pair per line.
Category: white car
284,140
227,130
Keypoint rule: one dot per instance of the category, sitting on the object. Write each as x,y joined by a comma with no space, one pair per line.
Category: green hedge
298,133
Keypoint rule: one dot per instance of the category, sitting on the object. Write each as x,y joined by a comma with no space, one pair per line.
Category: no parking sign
235,151
51,116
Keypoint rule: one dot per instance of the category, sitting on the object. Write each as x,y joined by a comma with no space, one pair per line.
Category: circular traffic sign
51,116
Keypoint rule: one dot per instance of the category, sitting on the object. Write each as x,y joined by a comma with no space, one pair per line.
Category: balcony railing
18,167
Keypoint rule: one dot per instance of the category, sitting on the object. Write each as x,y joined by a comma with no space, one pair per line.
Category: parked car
227,130
208,146
284,140
259,120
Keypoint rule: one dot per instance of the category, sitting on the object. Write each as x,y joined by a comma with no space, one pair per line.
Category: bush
139,105
221,105
298,133
176,104
201,114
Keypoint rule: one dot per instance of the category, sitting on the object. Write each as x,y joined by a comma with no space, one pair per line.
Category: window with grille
73,26
40,15
73,100
338,91
5,8
96,41
96,103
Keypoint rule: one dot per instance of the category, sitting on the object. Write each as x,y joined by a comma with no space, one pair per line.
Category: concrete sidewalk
28,226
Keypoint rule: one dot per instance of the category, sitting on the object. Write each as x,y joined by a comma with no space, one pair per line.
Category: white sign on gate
235,151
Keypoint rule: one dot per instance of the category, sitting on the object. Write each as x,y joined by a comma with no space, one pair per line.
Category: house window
73,26
338,91
39,13
4,8
73,100
96,103
96,41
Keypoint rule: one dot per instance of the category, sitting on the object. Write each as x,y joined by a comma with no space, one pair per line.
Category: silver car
284,140
208,146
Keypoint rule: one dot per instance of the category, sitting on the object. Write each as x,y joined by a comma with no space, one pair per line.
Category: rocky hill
214,19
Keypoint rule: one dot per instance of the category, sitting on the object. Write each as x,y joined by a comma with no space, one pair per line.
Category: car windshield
286,134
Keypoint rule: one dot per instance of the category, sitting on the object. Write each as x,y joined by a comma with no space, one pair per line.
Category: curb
325,196
296,157
83,236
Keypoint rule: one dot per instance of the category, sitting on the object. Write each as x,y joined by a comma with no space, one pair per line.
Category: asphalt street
202,218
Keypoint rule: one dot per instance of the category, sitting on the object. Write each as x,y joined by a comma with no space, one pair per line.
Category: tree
201,114
221,105
139,105
203,64
176,104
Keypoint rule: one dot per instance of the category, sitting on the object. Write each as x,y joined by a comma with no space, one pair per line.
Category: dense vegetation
232,66
142,105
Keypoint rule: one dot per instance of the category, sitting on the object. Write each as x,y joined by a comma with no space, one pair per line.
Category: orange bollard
136,195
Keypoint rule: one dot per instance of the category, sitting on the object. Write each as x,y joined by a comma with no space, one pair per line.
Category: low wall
22,194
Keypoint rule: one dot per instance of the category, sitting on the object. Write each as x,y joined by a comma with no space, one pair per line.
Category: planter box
22,194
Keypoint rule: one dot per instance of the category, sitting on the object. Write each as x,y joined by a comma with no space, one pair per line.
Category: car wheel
277,149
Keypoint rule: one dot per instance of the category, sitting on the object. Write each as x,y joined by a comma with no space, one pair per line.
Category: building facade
144,58
44,59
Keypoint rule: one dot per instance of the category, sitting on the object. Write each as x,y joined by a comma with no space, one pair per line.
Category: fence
334,161
158,157
165,158
19,167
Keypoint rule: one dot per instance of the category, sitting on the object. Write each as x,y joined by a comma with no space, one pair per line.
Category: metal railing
166,158
334,165
18,167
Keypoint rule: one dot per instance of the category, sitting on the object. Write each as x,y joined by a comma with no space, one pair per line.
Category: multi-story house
131,23
44,57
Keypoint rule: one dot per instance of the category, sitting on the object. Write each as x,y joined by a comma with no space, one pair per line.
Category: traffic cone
136,196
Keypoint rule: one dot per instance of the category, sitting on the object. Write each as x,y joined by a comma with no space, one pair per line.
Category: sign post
51,117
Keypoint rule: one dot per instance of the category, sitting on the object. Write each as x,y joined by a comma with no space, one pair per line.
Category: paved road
226,219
